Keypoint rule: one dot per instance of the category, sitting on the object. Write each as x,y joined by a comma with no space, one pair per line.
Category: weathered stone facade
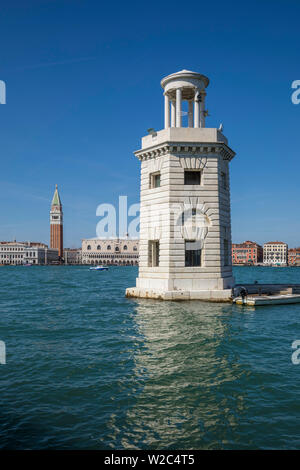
185,227
72,256
115,251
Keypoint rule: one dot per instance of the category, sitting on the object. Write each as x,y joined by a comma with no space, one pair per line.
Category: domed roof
185,74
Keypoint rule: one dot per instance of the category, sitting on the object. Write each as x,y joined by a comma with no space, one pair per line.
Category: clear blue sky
83,86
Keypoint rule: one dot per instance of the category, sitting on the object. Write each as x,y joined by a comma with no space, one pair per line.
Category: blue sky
83,86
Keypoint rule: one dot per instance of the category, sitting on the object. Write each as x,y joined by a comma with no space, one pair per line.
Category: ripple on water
88,368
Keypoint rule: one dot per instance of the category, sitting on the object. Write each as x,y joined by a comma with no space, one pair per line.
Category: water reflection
189,363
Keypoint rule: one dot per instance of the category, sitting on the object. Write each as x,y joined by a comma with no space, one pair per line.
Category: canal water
87,368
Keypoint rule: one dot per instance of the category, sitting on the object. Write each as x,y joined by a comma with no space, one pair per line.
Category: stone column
202,109
178,107
173,113
167,112
190,113
196,108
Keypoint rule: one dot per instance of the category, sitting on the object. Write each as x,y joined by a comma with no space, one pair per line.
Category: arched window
108,247
98,247
89,247
125,247
117,248
134,248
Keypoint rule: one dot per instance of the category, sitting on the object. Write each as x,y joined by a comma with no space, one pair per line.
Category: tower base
224,295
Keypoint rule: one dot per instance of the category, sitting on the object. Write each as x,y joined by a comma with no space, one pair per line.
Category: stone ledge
207,295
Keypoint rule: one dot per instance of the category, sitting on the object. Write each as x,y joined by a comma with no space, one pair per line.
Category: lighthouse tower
56,224
185,227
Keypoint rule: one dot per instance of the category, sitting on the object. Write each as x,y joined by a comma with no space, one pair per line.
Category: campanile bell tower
185,227
56,224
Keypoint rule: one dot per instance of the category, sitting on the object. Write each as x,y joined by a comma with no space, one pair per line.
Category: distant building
27,252
247,253
12,252
40,255
118,251
56,224
294,256
72,256
276,253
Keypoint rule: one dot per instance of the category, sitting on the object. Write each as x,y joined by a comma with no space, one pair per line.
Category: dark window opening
192,253
153,253
223,180
192,177
155,180
226,253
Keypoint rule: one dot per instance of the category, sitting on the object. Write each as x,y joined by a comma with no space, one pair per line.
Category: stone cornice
186,149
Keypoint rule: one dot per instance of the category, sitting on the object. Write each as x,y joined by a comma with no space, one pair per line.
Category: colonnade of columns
196,110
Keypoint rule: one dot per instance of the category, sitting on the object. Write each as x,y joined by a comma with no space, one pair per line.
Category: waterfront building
294,256
113,251
26,252
72,255
247,253
12,252
56,224
40,255
185,226
275,253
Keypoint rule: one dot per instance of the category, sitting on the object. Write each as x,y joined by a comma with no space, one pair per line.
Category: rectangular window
226,253
153,247
192,253
223,180
192,177
155,180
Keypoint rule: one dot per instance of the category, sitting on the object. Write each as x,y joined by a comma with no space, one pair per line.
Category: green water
89,369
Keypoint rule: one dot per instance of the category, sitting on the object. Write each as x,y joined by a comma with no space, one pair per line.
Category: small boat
99,268
27,264
268,299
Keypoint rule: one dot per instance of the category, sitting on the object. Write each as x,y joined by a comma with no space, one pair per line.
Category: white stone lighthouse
185,227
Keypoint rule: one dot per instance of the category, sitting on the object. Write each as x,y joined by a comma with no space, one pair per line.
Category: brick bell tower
56,224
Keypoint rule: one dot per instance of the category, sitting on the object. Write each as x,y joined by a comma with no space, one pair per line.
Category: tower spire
56,199
56,223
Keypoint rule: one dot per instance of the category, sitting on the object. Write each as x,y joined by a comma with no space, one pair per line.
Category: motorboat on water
99,268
